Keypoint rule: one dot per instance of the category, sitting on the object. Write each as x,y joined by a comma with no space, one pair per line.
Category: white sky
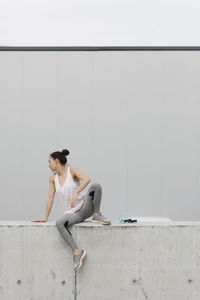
99,23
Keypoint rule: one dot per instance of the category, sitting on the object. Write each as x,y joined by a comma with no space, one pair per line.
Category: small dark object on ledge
130,220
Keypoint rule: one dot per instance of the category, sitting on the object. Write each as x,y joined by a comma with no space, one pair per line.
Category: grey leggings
90,206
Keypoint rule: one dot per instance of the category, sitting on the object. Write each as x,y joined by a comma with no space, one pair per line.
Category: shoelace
101,216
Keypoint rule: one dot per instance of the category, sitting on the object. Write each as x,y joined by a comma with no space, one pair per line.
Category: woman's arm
50,199
85,180
51,194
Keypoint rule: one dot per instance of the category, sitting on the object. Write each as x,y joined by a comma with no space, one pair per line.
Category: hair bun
65,152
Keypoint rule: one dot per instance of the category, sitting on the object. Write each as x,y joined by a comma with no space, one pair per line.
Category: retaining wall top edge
23,223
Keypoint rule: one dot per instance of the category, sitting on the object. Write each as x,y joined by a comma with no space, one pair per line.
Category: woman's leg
63,223
92,202
95,191
91,205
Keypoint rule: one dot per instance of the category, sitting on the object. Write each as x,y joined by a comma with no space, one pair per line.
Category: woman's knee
60,222
97,186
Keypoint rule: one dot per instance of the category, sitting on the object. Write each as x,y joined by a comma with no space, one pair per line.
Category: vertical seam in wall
197,135
93,103
162,166
22,78
75,285
57,98
126,126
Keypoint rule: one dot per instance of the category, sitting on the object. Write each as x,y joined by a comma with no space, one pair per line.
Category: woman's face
52,164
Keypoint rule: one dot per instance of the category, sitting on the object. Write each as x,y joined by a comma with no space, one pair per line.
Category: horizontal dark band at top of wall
101,48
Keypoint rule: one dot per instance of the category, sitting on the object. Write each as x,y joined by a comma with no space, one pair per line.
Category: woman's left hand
74,199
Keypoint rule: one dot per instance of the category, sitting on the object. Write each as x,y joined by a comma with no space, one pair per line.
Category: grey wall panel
40,127
144,133
110,141
179,135
11,133
130,120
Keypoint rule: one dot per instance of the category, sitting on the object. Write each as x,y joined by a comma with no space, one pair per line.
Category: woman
77,205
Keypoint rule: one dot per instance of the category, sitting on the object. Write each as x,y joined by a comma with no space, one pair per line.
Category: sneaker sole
104,223
81,259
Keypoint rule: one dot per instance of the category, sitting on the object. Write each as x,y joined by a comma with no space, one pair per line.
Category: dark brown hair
61,156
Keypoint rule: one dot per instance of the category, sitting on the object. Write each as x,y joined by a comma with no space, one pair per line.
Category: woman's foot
99,218
78,258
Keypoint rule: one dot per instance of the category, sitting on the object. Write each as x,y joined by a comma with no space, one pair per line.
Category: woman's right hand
42,220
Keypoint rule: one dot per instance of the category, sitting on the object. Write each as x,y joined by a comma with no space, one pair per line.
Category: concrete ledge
144,260
91,224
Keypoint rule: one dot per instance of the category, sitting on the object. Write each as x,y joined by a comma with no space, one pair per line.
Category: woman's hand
42,220
74,199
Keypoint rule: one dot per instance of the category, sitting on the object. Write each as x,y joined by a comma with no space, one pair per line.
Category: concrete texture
143,261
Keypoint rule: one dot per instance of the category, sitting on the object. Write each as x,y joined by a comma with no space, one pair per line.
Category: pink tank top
66,191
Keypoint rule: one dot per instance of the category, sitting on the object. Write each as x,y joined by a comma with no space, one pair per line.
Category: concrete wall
129,118
154,261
